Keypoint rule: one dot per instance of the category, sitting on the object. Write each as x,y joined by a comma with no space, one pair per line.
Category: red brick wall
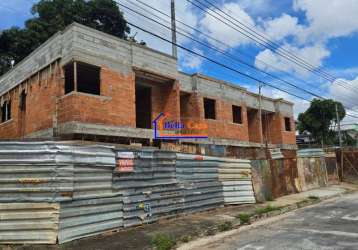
254,126
278,135
115,106
42,92
165,98
222,126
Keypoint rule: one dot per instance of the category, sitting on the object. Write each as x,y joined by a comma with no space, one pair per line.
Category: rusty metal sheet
312,172
29,223
262,180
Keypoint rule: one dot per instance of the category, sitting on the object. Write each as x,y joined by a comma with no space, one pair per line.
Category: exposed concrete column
75,76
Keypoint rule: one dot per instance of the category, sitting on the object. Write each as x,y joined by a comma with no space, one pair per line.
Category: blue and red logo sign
164,128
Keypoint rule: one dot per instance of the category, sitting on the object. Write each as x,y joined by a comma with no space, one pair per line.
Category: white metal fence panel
28,223
235,176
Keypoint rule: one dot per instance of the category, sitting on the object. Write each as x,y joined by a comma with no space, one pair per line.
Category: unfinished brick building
84,84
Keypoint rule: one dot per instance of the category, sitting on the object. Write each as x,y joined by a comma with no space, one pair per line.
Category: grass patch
268,208
227,225
163,242
210,232
270,198
244,218
186,238
313,197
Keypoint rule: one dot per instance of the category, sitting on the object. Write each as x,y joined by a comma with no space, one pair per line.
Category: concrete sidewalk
186,228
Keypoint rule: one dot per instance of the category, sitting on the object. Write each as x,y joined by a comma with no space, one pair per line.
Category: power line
157,22
208,36
263,42
218,63
214,61
220,51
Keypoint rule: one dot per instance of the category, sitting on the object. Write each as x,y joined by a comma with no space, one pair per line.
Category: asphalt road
330,225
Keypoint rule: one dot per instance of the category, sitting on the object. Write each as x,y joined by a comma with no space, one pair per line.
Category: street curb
236,224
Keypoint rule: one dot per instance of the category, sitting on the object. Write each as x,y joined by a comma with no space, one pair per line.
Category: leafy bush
227,225
313,197
244,218
163,242
268,208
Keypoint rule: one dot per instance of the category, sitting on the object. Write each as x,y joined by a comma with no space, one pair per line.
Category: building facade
85,84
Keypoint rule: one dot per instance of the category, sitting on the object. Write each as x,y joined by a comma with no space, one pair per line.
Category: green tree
51,16
320,119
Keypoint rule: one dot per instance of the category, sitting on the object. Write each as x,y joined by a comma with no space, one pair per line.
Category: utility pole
260,113
340,138
174,29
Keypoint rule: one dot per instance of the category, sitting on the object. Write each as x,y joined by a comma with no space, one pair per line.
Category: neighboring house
304,139
352,131
85,84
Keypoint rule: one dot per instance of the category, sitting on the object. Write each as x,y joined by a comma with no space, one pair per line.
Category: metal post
340,138
174,31
260,113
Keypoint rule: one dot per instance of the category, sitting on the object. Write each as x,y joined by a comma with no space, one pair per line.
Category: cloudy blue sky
323,33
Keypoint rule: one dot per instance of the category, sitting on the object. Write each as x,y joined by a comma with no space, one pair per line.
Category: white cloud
223,32
190,61
347,95
345,91
313,54
281,27
328,19
183,12
300,105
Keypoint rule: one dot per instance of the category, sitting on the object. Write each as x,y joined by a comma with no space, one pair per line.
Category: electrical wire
198,54
263,42
214,39
218,63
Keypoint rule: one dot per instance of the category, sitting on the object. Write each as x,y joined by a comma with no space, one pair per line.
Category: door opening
143,99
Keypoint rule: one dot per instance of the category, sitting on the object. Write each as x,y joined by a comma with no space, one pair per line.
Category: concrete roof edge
32,53
283,100
75,24
236,87
230,84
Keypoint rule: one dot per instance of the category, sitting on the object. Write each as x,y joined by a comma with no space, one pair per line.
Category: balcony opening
287,124
6,111
236,114
143,99
184,105
82,77
22,103
253,123
209,109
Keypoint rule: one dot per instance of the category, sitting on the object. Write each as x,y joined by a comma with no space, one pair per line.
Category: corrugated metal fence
199,177
235,176
53,191
151,190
